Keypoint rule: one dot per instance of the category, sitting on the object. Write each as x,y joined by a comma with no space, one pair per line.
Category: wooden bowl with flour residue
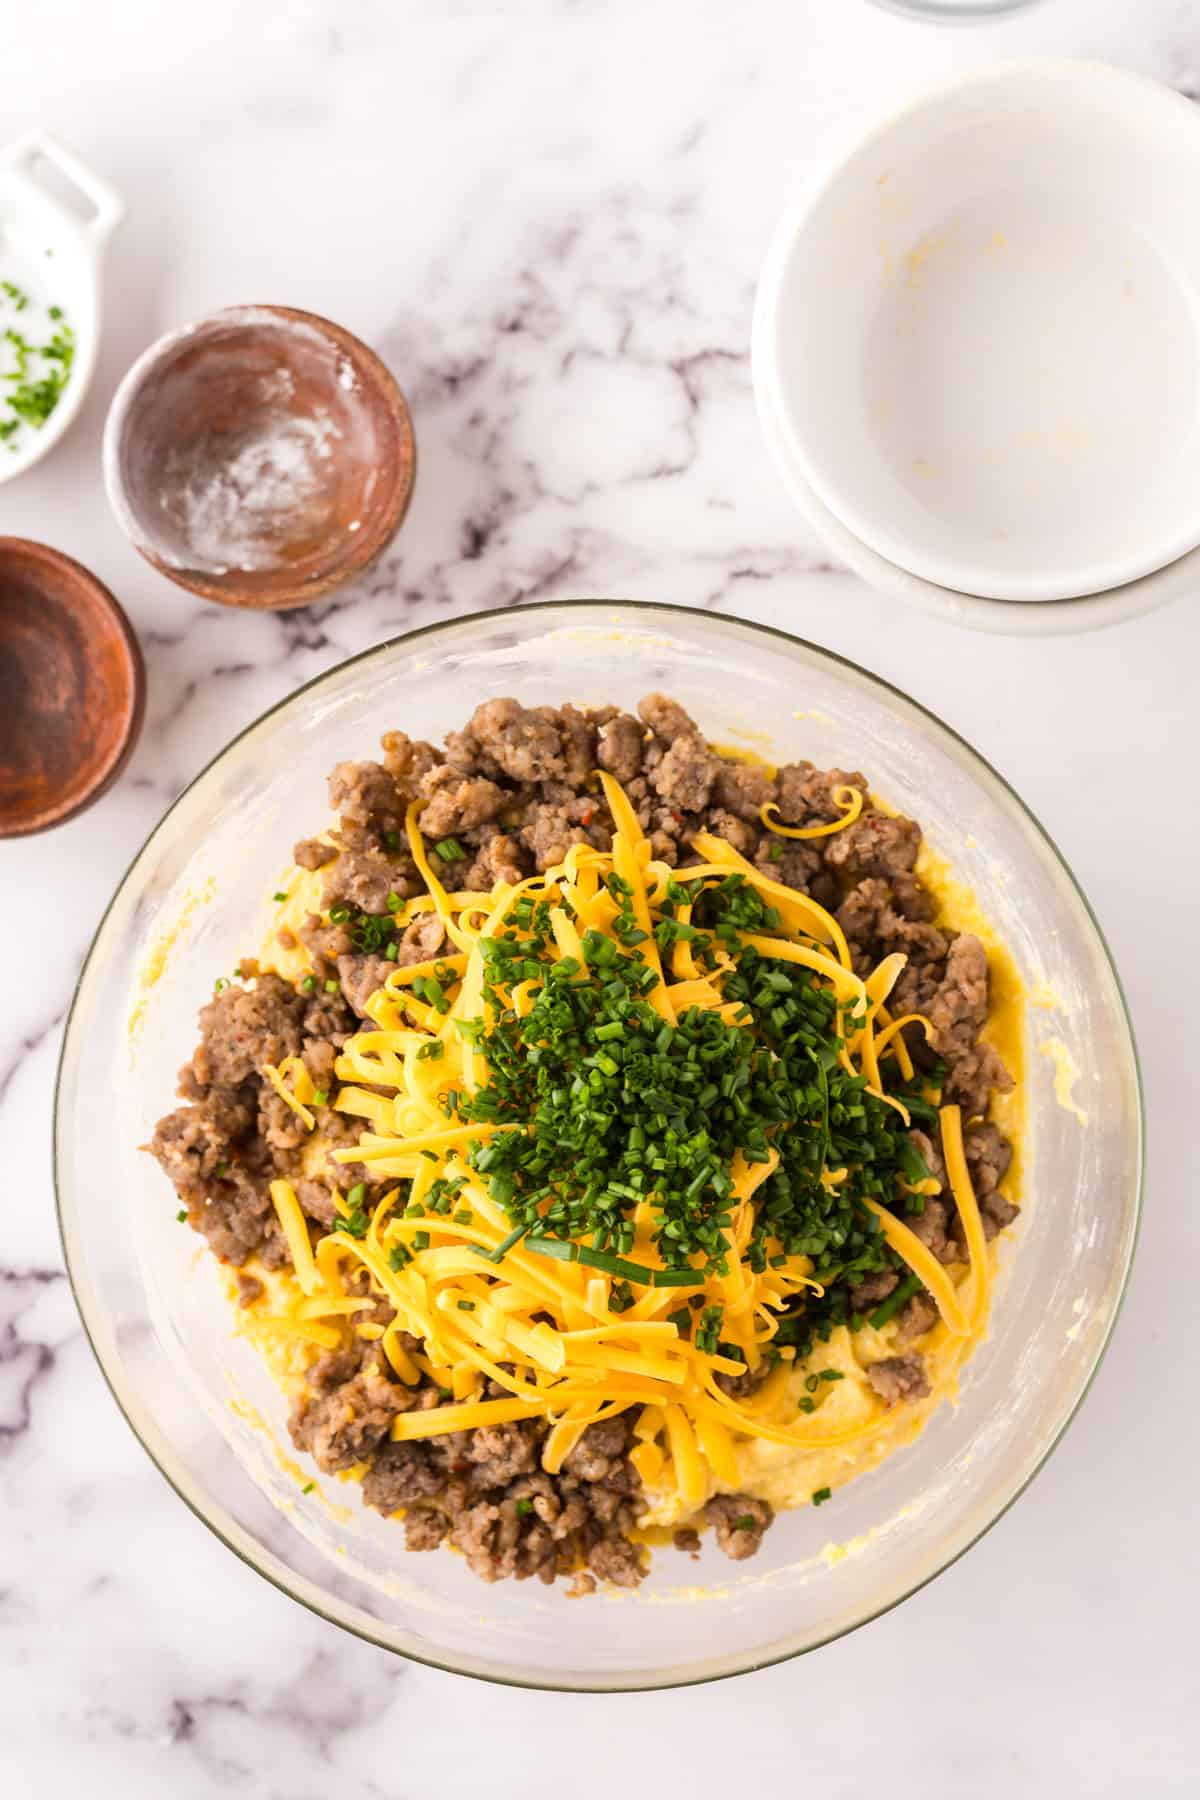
261,457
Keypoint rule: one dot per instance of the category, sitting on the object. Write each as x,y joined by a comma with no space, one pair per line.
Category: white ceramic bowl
52,250
1002,618
976,332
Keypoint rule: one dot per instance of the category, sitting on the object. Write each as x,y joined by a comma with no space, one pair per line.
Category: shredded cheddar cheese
568,1339
287,1095
850,800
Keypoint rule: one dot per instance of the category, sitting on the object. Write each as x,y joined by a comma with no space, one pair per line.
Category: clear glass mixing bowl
200,1399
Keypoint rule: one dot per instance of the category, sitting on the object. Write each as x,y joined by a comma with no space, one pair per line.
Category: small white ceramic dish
978,331
1003,618
51,252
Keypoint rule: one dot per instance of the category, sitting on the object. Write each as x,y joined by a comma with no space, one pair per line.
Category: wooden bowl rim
365,548
38,557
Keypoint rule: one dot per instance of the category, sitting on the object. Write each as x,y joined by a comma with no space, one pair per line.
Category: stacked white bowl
976,348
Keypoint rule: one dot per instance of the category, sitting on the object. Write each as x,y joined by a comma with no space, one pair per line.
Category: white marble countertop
548,218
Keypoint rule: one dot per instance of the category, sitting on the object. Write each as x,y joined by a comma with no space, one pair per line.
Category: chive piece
333,987
523,1507
308,1487
822,1495
555,1248
320,1097
221,1171
356,1195
465,1305
394,903
279,895
181,1216
613,1265
887,1309
503,1247
309,984
220,984
562,1250
912,1163
745,1522
420,1240
450,850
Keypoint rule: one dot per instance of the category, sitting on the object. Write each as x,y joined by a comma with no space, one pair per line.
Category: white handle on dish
109,207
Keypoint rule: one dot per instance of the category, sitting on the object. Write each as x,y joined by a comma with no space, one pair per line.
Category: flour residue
242,510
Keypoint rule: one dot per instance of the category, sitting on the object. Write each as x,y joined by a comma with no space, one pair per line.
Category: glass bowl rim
747,1662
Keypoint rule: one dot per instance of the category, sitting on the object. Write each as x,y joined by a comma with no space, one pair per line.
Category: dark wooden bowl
261,457
72,688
